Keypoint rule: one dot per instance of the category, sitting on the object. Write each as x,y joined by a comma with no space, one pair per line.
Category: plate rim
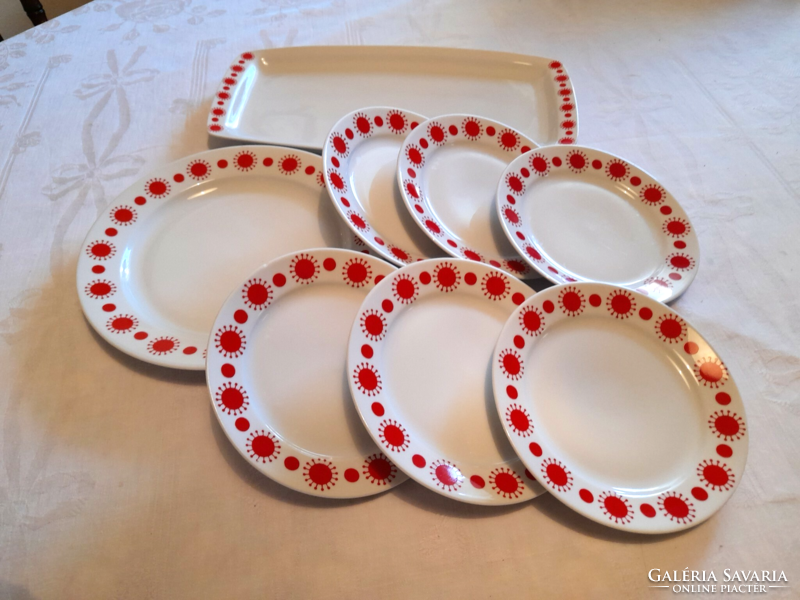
524,446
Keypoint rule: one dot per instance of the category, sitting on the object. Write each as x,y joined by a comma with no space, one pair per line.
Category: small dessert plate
619,407
360,158
419,365
448,171
276,365
158,263
579,214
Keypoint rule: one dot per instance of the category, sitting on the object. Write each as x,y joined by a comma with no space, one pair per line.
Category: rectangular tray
293,96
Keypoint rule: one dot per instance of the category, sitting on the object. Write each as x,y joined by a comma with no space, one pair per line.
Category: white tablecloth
117,482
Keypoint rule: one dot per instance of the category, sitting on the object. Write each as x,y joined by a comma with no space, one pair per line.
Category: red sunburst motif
471,129
515,184
157,187
471,255
123,215
367,379
122,324
437,133
517,266
320,474
727,425
680,261
362,125
231,398
577,161
404,289
506,483
716,475
711,372
337,181
519,420
319,179
434,227
101,250
415,156
244,161
100,288
340,145
617,508
356,272
617,170
198,170
652,194
397,122
412,189
495,286
263,446
393,435
512,216
379,470
676,507
289,164
358,221
539,164
511,364
446,277
163,345
399,254
676,228
621,304
446,475
665,283
304,268
534,254
571,301
532,320
508,140
257,293
556,475
230,341
671,328
373,325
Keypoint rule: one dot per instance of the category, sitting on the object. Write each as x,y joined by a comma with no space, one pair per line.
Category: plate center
188,256
297,370
591,231
461,184
614,405
373,178
437,362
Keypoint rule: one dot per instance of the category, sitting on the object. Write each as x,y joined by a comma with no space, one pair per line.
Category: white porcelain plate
360,158
419,365
277,368
293,96
579,214
158,263
448,171
619,407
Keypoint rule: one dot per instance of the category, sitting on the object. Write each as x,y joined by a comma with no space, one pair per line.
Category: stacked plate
374,324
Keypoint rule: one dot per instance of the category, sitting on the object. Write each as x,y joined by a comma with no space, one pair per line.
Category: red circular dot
666,210
535,449
648,510
524,149
477,481
680,244
329,264
425,278
98,269
268,162
519,341
675,276
691,348
724,451
228,370
453,130
646,314
597,164
378,279
470,279
387,306
140,200
310,170
490,131
242,424
366,351
189,350
594,300
379,121
178,177
556,161
700,493
279,279
423,142
109,307
412,173
140,335
518,298
418,460
351,475
548,306
240,316
222,164
586,496
111,232
291,463
377,409
723,398
512,392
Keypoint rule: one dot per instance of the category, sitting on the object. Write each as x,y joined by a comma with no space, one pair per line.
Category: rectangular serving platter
293,96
